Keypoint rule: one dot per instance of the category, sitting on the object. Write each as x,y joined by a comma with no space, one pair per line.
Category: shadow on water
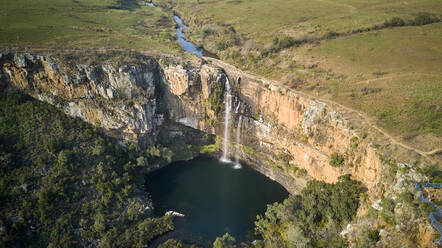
214,197
126,5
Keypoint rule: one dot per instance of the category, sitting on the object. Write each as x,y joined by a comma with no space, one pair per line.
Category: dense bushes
432,172
280,44
64,183
337,160
314,218
394,22
172,243
225,241
216,97
419,20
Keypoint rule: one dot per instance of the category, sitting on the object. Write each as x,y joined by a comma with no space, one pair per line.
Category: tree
225,241
100,223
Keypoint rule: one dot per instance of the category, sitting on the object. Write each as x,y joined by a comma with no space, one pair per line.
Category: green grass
85,24
406,61
252,35
396,81
393,50
261,20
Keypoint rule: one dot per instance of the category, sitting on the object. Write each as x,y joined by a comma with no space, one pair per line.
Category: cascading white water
237,108
228,107
238,143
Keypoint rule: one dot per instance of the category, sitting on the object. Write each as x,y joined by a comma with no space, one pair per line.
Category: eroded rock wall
289,136
119,98
283,133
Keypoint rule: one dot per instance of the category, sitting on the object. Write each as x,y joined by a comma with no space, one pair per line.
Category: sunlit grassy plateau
341,50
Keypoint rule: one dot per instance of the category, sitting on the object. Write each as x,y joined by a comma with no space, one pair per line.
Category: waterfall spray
228,107
238,143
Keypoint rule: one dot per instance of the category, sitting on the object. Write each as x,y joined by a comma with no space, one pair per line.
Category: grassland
262,20
396,81
341,50
116,24
336,49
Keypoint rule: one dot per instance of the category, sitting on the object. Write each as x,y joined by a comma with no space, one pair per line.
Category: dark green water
214,197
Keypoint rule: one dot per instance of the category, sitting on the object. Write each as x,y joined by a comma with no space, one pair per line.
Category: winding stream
185,45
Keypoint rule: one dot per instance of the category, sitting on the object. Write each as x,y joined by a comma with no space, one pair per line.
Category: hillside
338,101
64,182
351,52
382,58
85,24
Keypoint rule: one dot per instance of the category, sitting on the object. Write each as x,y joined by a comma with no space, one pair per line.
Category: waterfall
238,143
237,108
228,107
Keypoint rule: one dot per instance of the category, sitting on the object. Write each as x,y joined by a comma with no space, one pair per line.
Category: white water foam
238,143
228,109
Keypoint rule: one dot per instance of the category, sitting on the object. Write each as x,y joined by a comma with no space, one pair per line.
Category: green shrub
387,213
432,172
394,22
285,157
286,42
172,243
206,32
209,149
337,160
249,150
368,239
314,218
225,241
407,197
280,44
364,135
427,208
257,114
216,97
424,18
330,35
354,142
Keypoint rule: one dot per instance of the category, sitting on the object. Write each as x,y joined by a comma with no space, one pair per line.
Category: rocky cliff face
292,137
288,136
121,99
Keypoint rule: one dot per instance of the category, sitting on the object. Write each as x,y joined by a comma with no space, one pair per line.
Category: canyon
289,136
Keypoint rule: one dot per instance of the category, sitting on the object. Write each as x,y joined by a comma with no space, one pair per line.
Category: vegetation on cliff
64,183
313,218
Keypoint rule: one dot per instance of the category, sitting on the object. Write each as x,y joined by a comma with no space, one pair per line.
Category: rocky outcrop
287,135
284,133
119,98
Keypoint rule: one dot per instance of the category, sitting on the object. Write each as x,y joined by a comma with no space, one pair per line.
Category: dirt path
363,116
